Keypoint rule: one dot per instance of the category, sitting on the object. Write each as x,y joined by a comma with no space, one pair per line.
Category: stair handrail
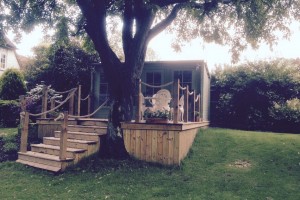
24,119
95,111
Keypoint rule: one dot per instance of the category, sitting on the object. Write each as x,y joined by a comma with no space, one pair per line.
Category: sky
212,54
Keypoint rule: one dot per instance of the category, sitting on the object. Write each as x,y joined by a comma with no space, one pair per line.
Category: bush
9,113
286,116
243,96
10,144
12,85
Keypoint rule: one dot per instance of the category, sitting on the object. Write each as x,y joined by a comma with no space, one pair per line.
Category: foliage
10,142
34,98
286,116
63,67
209,172
242,96
163,114
12,85
9,145
9,113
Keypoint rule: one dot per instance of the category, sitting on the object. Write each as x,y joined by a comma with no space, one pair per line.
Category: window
3,61
185,78
103,87
152,78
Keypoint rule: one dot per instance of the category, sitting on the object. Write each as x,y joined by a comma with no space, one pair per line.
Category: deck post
24,131
71,104
79,100
175,100
22,103
193,106
138,114
63,137
186,105
44,101
89,104
52,103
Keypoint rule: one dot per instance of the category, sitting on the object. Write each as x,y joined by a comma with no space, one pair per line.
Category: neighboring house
8,56
193,73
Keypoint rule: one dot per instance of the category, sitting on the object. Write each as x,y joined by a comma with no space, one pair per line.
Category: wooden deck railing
195,106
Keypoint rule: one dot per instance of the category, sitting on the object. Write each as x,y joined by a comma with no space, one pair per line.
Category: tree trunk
122,84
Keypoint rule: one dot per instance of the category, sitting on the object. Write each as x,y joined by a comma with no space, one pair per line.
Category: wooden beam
186,105
24,132
44,101
63,137
175,101
79,100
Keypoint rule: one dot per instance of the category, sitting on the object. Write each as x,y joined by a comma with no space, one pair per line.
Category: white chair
161,100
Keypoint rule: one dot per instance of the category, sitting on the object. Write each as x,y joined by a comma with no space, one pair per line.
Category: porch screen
152,78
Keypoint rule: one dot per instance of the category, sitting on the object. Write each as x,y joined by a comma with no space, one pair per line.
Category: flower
163,114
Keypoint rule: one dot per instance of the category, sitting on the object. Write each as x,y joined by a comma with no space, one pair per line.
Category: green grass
209,172
8,131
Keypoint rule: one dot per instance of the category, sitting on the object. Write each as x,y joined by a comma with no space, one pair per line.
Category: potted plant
158,116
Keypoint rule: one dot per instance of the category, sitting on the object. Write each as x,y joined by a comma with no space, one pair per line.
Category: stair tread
82,133
90,119
74,140
87,126
38,165
44,156
57,147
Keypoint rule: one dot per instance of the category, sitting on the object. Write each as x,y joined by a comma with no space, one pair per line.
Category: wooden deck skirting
167,144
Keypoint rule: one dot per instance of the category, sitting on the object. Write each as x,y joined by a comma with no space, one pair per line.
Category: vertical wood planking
170,147
149,145
154,146
127,139
137,143
165,147
160,146
176,147
133,142
143,144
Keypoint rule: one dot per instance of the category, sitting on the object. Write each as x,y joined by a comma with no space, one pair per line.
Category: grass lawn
223,164
8,131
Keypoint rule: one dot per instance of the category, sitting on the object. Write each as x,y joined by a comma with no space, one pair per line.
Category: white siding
11,59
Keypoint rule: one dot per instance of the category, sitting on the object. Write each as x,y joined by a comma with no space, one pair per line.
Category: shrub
12,85
286,116
9,113
243,96
10,144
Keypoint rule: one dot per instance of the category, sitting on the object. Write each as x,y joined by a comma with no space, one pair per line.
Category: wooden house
193,73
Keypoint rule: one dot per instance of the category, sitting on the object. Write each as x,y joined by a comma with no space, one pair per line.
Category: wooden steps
83,139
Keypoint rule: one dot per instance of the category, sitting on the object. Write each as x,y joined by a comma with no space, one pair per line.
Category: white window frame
3,61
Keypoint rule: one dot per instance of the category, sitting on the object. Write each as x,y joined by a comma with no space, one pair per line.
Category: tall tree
234,22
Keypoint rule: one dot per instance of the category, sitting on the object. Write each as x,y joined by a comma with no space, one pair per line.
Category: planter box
157,121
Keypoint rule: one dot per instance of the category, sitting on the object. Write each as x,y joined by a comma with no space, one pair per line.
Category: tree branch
127,33
164,23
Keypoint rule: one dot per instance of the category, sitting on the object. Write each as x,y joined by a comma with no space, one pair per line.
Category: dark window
152,78
103,87
185,78
3,61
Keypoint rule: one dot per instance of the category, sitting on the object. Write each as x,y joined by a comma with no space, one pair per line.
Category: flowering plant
163,114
